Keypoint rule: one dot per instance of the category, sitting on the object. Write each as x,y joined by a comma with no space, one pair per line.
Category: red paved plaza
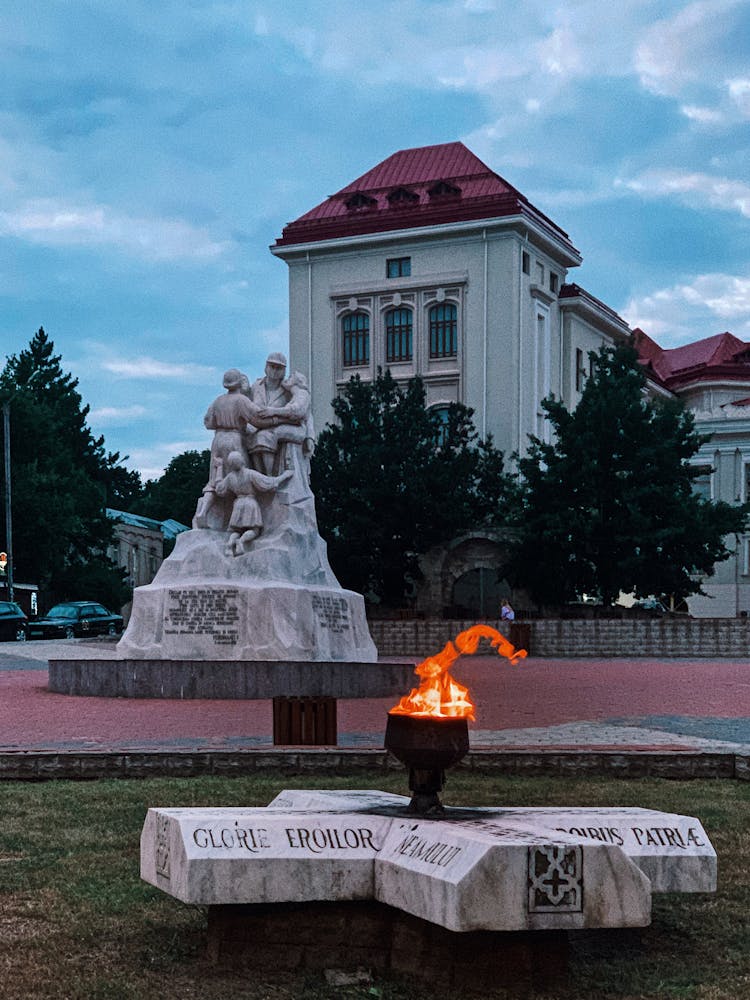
539,693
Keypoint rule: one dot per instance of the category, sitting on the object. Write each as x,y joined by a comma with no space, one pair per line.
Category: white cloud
117,414
674,52
695,189
739,92
151,368
701,115
56,223
560,54
708,304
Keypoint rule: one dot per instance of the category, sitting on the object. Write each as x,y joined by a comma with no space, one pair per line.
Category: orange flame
439,694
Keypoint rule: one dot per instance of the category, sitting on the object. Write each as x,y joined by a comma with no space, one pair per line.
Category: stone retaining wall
294,762
710,637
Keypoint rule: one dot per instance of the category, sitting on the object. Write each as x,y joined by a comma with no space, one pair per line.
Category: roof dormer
443,190
402,197
360,202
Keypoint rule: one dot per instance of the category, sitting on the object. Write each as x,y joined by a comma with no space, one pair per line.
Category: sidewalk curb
25,765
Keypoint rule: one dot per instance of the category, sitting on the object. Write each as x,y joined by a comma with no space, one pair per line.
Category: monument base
350,936
279,601
231,679
241,620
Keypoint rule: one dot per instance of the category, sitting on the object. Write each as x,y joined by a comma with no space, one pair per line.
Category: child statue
243,483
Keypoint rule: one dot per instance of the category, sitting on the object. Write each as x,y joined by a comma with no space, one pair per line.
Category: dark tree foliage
609,505
124,487
176,493
390,481
61,475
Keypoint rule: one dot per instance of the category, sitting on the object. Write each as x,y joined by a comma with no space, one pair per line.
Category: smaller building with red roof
712,377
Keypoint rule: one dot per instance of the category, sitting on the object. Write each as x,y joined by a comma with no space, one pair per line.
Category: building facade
432,264
138,545
712,377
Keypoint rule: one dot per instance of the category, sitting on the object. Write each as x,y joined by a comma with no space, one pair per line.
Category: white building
712,377
432,264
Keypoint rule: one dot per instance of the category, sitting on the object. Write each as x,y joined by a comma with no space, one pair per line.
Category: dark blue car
75,619
12,622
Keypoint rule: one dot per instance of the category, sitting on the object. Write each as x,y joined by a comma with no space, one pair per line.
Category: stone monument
490,879
251,580
247,606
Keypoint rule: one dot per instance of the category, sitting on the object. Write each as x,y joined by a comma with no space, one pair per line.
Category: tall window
398,335
442,413
356,337
702,482
580,371
444,331
542,372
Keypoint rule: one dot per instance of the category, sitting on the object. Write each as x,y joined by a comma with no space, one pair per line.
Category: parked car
12,622
75,619
652,604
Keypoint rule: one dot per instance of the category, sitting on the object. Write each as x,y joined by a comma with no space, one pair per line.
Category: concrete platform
251,680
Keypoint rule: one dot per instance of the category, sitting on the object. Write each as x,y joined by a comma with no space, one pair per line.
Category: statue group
251,580
263,441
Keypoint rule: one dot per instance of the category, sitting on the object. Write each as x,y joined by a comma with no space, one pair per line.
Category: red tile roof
480,193
570,290
721,356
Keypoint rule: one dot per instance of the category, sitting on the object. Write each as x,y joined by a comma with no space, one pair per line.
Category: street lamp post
8,515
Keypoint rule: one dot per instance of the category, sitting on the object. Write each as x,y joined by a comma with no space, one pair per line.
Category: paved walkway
637,704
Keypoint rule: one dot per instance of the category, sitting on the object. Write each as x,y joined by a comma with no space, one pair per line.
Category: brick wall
418,637
602,638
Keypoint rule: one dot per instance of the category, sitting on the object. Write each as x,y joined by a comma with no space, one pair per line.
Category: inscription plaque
198,611
332,612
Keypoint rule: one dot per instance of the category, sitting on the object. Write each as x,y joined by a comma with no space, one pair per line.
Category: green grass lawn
77,922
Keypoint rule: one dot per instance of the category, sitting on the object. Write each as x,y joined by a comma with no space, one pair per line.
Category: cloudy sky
151,152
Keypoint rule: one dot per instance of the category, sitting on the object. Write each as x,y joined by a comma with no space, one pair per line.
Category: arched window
441,412
356,339
398,335
444,331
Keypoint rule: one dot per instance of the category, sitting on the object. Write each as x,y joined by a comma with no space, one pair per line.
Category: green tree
124,487
61,475
176,493
609,505
391,480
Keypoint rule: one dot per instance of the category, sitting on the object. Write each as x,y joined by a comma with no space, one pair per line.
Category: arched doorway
479,593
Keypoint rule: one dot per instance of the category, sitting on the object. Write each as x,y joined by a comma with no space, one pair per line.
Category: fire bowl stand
427,745
304,721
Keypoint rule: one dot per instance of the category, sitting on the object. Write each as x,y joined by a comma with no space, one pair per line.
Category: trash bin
520,635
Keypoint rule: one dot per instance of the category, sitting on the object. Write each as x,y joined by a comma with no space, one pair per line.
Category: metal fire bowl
426,742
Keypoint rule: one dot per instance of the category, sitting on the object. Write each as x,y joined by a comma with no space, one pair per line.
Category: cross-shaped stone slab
474,869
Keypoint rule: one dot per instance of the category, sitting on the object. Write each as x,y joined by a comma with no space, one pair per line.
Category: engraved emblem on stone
162,847
555,879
